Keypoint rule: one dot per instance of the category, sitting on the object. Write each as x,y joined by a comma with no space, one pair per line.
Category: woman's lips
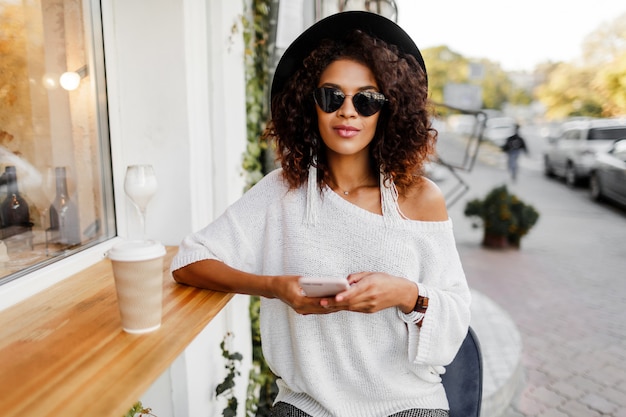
346,131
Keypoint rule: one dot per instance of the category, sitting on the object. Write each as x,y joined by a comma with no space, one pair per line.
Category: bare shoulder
424,202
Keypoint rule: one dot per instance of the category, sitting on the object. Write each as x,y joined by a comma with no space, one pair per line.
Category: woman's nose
347,108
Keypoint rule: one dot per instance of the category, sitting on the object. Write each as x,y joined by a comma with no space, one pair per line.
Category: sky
517,34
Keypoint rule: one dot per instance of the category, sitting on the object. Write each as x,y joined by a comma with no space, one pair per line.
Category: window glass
573,134
55,171
607,133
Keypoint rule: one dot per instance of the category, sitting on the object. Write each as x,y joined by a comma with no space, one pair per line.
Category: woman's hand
288,290
371,292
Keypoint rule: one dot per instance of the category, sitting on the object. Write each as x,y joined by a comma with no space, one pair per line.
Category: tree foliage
594,86
566,92
444,66
448,67
606,44
610,83
498,88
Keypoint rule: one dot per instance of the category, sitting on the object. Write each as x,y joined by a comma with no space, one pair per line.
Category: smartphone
323,286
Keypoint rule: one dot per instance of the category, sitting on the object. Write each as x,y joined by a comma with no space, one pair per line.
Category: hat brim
337,26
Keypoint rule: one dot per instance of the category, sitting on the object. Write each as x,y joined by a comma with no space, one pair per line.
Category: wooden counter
63,351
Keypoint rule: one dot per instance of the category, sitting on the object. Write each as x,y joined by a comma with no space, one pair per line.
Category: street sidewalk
550,316
498,335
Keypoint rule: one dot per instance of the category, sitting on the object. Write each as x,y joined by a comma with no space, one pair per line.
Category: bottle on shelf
14,212
64,225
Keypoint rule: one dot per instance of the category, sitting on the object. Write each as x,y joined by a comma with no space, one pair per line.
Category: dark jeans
287,410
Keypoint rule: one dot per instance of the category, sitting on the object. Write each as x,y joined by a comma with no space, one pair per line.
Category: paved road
565,290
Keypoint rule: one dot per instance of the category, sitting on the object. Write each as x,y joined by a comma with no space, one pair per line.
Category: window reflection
55,182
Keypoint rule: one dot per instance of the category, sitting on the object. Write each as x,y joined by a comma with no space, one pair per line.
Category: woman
352,132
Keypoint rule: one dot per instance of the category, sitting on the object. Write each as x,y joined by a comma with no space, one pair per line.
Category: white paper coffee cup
138,274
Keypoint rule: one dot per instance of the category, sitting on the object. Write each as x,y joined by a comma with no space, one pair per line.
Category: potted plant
505,218
138,410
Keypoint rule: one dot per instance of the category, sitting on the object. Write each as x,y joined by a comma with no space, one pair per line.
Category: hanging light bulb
70,80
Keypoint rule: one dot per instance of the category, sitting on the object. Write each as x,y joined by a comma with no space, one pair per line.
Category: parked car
498,129
608,174
572,154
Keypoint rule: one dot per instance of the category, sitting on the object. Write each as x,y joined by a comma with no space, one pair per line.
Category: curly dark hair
404,137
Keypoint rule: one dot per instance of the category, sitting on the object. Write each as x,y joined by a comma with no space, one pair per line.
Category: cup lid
136,250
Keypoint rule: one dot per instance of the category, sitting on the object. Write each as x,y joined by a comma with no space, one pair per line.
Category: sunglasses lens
368,103
329,99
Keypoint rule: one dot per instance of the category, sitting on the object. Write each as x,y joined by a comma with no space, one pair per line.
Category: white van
572,153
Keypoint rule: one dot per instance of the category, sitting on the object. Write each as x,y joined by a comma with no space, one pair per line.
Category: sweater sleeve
236,236
447,319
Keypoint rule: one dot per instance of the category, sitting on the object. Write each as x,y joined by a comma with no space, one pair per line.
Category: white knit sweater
344,364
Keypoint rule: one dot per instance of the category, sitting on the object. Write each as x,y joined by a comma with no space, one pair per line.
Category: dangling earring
313,150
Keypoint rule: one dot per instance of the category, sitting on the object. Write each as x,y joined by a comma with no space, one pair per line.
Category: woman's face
345,131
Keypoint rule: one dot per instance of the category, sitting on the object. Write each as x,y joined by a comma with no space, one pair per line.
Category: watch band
421,304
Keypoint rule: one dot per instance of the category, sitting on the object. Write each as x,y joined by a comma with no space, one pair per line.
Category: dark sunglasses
366,103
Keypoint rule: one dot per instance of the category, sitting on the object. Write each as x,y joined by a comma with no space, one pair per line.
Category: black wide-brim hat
336,27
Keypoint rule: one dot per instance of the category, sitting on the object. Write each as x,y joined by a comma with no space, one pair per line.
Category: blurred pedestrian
513,147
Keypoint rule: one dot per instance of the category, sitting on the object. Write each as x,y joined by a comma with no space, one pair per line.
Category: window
607,133
56,193
573,134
